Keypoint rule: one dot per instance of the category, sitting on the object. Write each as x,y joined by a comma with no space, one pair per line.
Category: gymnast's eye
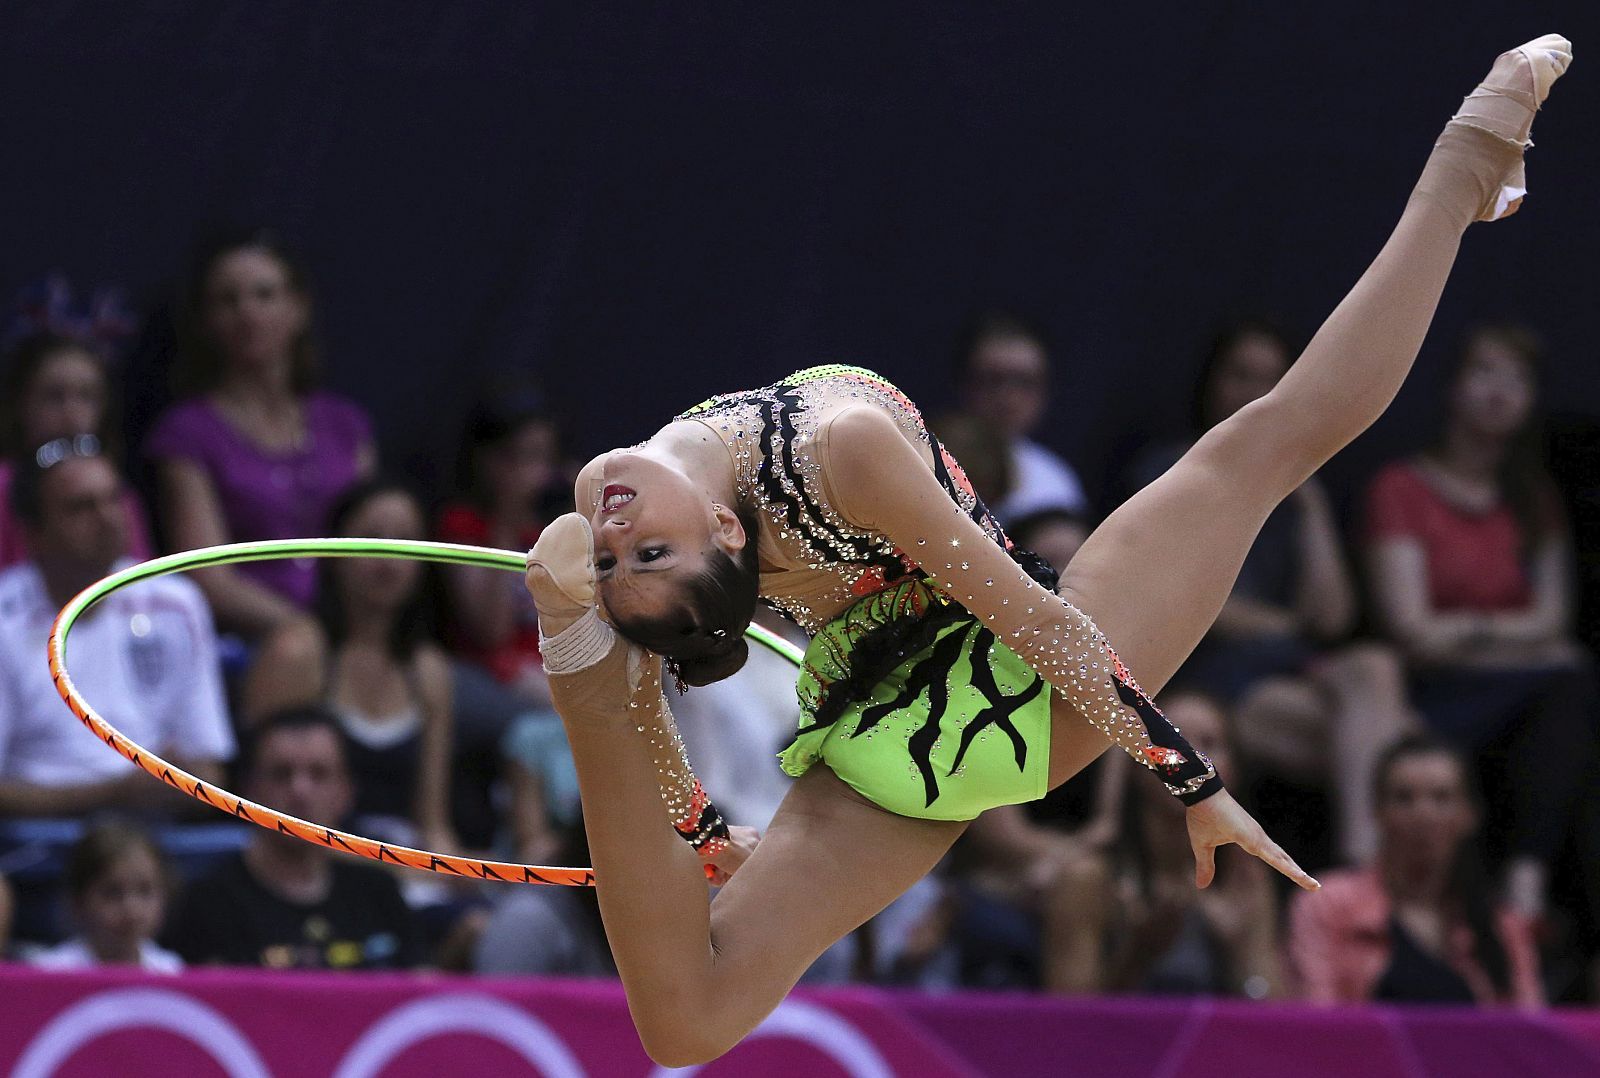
651,553
604,562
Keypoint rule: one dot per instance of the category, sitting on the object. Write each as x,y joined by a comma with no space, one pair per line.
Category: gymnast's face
654,529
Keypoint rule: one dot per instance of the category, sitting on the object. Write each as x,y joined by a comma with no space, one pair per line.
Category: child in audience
117,883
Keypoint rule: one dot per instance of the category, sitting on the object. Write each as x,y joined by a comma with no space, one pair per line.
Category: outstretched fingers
1273,854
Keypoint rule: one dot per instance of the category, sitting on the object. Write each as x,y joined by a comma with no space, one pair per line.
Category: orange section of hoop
261,815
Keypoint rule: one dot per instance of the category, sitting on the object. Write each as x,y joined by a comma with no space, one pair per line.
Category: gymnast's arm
876,478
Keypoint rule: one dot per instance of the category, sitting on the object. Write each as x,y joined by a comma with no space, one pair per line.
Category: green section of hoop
271,549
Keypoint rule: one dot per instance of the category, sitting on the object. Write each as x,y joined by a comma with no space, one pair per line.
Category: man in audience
146,657
1004,372
285,903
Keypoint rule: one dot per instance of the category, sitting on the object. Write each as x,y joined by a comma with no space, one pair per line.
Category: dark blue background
650,206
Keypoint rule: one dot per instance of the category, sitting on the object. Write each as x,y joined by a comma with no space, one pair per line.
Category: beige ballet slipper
1504,104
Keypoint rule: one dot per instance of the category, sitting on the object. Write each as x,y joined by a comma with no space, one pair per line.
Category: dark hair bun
712,668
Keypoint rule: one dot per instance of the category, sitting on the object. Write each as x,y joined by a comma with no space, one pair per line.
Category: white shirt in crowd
1040,480
75,954
733,731
145,658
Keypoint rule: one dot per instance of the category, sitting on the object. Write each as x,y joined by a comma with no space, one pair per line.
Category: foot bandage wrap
578,646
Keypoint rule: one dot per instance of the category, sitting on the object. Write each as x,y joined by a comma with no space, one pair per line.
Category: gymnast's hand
741,844
1219,820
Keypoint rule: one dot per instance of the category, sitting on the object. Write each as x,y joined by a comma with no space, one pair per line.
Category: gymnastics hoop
270,818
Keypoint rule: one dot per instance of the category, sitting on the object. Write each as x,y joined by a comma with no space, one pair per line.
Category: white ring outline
459,1012
112,1010
833,1035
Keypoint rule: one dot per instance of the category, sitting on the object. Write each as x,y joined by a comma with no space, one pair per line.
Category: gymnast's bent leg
700,975
1155,574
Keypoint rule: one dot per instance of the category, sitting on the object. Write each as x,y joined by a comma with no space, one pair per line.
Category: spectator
543,931
735,728
1145,928
982,450
1470,558
285,903
370,659
1037,861
255,451
1053,534
146,657
8,909
513,480
1004,370
117,883
55,387
1418,923
1309,712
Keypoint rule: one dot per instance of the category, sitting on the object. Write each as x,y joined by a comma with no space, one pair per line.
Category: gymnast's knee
683,1032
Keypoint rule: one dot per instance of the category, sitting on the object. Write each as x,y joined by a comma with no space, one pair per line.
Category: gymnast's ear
728,530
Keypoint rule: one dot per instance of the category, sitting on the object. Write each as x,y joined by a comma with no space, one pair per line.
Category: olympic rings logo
389,1037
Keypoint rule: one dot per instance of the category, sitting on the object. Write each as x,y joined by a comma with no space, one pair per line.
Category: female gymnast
947,673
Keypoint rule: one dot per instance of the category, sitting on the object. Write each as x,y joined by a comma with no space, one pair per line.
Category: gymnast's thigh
830,861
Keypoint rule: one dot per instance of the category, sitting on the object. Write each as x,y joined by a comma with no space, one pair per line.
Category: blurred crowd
1397,690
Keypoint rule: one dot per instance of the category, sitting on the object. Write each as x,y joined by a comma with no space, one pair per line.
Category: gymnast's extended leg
1156,573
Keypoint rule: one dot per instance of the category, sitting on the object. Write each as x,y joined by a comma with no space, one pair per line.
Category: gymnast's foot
561,575
1502,108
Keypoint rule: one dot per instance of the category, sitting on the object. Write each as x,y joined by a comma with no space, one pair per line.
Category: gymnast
948,673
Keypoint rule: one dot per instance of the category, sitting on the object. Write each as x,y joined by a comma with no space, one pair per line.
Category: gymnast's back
815,561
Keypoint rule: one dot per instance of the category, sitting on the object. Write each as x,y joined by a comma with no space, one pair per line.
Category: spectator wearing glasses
55,386
145,657
1003,367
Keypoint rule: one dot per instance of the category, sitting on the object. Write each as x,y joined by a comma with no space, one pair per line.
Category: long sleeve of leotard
876,479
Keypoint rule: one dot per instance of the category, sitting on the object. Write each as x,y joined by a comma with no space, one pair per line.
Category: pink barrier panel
254,1025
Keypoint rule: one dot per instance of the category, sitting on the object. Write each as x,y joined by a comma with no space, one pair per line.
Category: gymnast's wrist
1207,789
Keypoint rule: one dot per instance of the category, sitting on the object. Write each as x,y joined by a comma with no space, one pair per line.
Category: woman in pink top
55,387
256,452
1470,560
1418,924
